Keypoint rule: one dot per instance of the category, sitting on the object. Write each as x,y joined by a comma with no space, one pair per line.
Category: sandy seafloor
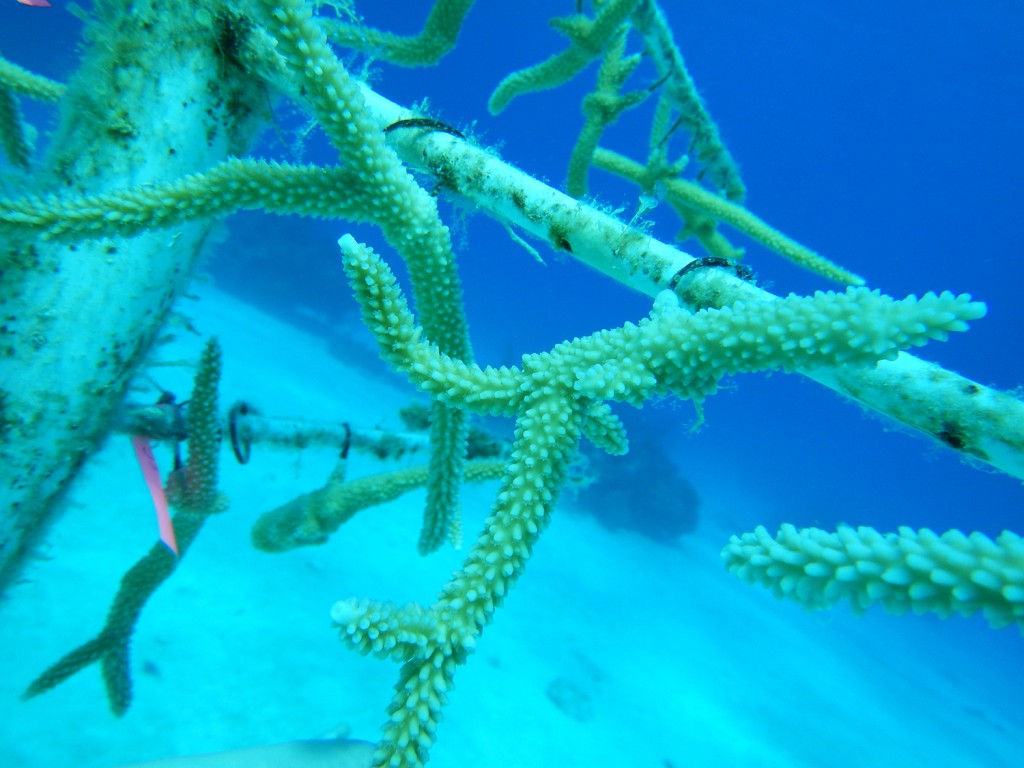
680,663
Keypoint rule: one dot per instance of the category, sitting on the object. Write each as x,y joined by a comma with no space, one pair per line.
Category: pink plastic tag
36,3
150,471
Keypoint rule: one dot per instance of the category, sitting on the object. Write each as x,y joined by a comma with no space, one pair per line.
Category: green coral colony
706,321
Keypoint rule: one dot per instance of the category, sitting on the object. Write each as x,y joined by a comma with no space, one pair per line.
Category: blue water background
884,136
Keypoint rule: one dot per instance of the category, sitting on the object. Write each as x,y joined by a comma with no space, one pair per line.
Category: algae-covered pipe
158,95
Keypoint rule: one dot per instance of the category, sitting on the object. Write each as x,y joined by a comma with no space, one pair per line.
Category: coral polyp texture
129,166
557,397
919,571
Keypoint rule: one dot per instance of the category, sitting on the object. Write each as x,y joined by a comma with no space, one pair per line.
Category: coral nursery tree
101,235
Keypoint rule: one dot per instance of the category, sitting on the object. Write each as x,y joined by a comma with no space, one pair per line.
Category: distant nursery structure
154,132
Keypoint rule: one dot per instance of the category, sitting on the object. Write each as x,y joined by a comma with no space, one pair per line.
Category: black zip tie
425,122
169,401
241,448
347,442
741,271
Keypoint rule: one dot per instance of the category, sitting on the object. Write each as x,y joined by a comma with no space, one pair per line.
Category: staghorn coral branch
601,108
438,37
21,81
405,211
917,571
111,647
312,517
408,217
193,490
13,141
691,200
231,186
14,81
553,395
681,93
672,351
588,39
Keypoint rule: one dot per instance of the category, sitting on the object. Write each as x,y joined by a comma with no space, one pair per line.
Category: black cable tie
741,271
241,448
424,122
347,442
